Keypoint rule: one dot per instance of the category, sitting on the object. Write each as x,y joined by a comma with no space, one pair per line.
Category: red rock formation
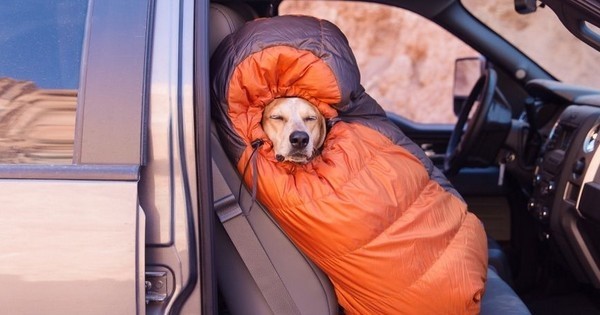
36,125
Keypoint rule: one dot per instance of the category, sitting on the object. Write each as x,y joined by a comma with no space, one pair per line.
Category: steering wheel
468,130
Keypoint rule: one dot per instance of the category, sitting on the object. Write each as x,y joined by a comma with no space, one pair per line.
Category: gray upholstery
500,299
497,260
223,21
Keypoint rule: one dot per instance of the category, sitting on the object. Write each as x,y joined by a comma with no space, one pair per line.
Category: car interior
260,271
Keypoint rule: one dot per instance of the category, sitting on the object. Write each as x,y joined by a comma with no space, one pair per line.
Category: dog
296,128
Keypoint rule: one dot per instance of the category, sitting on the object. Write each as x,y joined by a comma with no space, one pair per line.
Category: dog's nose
299,139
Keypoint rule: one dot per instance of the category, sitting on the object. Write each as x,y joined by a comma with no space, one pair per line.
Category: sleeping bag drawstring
255,145
330,122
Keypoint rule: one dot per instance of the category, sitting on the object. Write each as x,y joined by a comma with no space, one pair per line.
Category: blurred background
407,61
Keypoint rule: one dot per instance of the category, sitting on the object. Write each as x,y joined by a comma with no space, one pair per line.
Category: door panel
72,232
486,199
70,247
432,138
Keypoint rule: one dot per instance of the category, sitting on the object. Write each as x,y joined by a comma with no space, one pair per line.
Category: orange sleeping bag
371,210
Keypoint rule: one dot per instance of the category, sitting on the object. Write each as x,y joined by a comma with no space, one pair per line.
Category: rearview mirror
466,73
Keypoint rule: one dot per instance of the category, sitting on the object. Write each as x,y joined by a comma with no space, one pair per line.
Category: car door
71,146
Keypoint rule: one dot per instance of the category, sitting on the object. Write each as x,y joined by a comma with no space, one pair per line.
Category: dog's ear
322,131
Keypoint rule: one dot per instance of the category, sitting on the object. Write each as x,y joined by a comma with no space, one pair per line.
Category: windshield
542,37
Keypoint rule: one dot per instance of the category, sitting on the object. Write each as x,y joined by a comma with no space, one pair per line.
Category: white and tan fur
296,128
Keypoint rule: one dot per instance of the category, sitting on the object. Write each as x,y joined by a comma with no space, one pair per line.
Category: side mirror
466,73
525,6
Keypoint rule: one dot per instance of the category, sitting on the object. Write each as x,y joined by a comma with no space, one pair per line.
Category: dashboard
565,200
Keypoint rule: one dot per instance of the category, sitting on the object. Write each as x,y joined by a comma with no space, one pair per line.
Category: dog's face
296,128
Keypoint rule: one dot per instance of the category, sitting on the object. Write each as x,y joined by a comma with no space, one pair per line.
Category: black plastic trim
554,91
590,199
206,216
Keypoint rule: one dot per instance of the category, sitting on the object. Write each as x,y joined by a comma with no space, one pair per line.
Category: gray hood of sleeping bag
325,41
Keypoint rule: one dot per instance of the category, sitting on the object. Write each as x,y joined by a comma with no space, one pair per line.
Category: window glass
406,61
543,38
39,77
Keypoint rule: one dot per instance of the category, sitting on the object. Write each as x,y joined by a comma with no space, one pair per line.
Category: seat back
309,289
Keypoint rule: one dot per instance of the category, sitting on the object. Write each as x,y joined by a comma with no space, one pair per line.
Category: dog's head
296,128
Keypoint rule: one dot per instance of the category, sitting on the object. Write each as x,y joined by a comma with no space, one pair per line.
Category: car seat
299,282
304,285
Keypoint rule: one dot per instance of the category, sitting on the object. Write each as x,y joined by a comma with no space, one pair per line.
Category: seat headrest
224,20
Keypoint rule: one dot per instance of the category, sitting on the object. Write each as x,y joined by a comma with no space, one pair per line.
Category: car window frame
109,135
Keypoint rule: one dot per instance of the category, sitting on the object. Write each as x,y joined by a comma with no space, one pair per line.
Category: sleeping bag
371,210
